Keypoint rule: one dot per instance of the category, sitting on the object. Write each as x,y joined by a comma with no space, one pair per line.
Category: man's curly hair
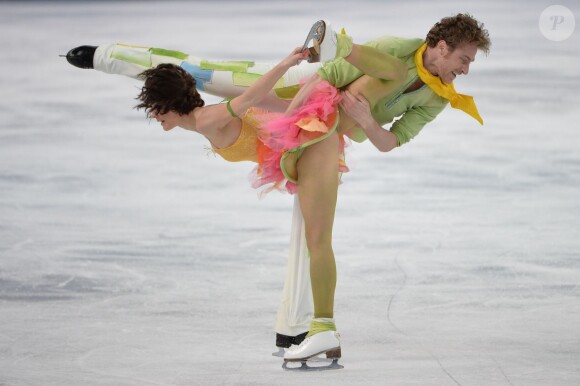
168,88
458,30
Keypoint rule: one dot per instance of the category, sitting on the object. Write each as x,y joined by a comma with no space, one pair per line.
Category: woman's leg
369,60
317,192
376,63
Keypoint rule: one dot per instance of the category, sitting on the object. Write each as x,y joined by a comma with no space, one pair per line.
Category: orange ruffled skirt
276,141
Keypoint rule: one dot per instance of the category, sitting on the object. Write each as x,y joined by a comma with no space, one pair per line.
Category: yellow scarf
447,91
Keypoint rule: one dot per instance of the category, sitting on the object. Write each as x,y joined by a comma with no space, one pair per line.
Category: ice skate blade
334,353
334,365
279,353
316,35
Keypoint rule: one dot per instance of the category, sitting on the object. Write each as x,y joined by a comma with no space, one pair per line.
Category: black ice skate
286,341
81,57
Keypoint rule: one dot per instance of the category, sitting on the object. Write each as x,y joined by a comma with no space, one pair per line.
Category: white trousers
296,309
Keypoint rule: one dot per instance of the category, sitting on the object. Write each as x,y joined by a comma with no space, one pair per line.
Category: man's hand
358,108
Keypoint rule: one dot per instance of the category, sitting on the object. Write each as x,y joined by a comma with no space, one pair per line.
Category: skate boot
322,339
327,342
285,341
331,45
81,57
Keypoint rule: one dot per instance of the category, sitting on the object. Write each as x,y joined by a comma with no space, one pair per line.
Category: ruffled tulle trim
280,134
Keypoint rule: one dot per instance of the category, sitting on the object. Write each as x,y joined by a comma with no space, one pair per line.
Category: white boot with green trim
333,45
322,339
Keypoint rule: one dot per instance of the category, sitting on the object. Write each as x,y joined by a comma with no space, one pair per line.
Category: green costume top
417,108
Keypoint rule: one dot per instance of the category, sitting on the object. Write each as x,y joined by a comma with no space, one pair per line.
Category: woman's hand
295,57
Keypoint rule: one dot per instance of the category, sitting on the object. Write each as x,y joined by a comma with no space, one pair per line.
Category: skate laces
321,325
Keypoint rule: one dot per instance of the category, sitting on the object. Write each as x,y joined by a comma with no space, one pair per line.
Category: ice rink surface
129,256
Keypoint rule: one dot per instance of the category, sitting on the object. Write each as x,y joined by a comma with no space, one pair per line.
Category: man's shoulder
397,46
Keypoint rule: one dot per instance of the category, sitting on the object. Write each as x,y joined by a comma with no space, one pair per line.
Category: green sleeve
339,72
413,121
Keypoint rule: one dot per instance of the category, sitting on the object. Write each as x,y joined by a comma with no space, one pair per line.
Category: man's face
450,64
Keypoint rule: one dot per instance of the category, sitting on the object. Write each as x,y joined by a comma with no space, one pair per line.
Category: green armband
230,109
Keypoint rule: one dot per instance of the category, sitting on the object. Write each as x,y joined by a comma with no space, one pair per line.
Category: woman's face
168,121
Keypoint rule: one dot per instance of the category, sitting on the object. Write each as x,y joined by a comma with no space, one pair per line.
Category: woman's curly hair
168,88
457,30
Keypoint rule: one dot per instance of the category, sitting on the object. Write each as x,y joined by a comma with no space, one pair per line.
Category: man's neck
429,60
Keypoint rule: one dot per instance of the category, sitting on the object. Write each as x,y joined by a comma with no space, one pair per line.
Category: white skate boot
329,45
326,342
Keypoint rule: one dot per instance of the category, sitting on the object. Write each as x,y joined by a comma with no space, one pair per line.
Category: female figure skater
298,151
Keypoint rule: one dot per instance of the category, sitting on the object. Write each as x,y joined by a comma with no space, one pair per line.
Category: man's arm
358,108
413,121
401,132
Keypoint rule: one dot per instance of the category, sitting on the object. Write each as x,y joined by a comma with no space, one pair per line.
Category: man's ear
442,47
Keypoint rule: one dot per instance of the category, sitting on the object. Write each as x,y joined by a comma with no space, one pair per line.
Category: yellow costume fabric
246,146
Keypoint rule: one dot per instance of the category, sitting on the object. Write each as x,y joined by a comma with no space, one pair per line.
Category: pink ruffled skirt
283,138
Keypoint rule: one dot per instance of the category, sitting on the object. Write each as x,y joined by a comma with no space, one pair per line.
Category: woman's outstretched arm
219,116
258,91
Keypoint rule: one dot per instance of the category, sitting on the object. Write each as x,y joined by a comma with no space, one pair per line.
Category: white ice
128,256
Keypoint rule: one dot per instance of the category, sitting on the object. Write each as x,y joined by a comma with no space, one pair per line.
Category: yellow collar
447,91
